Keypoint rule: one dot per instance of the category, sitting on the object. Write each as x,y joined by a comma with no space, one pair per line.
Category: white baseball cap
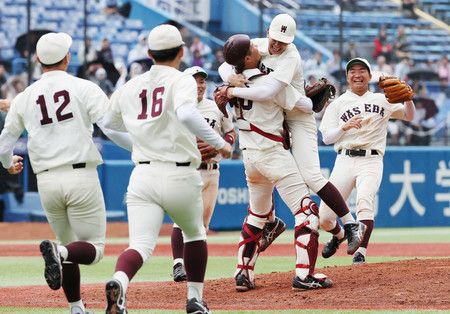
51,48
358,60
164,37
196,69
282,28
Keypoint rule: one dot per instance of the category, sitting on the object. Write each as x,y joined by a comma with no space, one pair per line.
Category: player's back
58,112
147,105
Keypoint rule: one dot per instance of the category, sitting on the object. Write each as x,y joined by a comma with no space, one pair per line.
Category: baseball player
356,123
58,112
282,61
159,110
209,168
268,164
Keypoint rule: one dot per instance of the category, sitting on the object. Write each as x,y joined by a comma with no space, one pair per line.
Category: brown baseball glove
206,150
221,98
395,90
320,92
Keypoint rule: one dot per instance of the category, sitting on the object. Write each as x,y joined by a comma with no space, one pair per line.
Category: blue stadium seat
15,211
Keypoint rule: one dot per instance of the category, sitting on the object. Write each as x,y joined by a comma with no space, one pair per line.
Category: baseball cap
51,48
236,48
164,37
358,60
282,28
196,69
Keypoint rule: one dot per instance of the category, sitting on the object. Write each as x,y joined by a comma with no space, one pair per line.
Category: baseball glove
320,93
221,98
395,90
206,150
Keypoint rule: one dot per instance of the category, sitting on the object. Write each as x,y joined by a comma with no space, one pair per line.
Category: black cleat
243,284
179,273
53,266
354,232
358,259
310,282
270,232
331,246
115,297
195,307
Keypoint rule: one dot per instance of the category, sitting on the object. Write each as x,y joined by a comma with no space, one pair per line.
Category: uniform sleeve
185,91
14,119
286,68
113,109
96,101
329,120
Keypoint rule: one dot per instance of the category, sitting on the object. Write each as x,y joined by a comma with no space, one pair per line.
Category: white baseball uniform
287,68
209,169
58,112
364,171
268,165
165,179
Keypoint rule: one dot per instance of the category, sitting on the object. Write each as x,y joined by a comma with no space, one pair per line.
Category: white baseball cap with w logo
282,28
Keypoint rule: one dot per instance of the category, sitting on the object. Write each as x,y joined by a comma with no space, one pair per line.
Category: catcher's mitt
221,98
320,93
395,90
206,150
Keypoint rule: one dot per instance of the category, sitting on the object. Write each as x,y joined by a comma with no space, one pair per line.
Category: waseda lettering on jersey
263,68
211,123
350,113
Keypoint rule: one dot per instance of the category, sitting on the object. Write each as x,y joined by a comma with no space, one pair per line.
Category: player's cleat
243,284
270,232
179,274
310,282
331,246
358,259
195,307
115,297
78,310
53,266
354,232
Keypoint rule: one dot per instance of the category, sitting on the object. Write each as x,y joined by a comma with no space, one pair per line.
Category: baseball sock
195,259
130,261
331,196
177,244
78,303
71,281
369,224
195,290
81,252
337,231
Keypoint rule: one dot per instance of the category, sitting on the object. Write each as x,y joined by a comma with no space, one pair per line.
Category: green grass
21,271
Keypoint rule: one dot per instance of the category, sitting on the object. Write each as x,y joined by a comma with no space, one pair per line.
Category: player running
158,109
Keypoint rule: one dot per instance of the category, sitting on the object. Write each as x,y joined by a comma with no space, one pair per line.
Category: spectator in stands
103,81
408,8
14,85
197,59
351,52
401,45
416,133
123,71
86,52
382,46
382,67
139,52
114,8
4,75
444,87
135,70
349,5
334,64
443,68
203,51
315,63
218,59
402,68
104,52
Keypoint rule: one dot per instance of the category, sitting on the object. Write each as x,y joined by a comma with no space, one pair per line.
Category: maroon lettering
60,116
143,96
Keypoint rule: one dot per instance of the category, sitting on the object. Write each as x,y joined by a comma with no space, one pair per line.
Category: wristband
228,138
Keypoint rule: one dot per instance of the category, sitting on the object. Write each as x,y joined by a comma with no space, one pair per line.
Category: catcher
209,168
356,122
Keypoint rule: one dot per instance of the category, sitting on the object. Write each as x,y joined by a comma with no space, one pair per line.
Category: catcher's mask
235,49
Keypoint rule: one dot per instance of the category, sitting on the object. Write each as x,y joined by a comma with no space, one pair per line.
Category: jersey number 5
157,103
59,115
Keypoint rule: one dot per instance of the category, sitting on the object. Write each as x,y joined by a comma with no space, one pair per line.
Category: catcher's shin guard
247,255
306,238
